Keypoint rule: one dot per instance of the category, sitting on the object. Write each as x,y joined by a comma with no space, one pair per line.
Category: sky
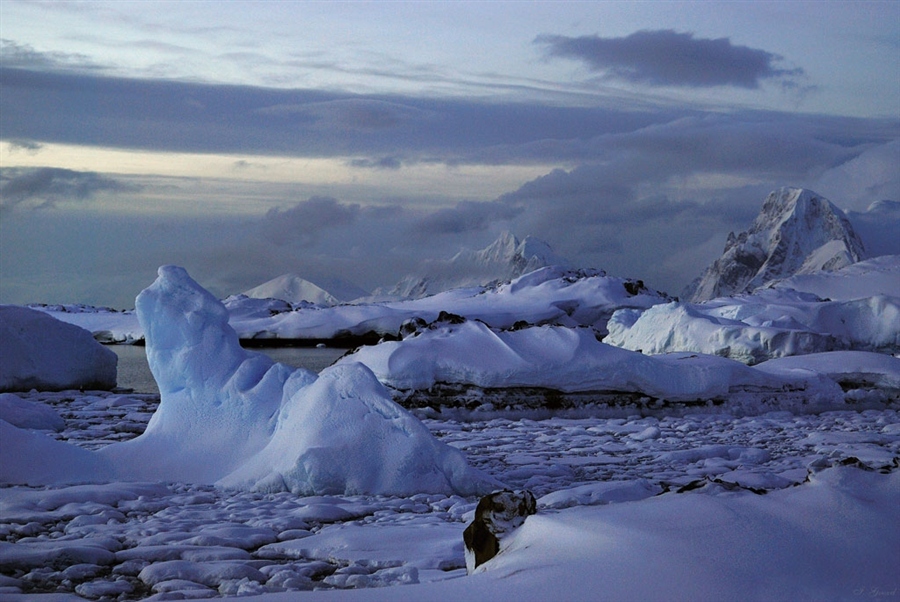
363,140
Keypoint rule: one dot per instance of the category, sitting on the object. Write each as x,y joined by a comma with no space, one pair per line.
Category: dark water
134,373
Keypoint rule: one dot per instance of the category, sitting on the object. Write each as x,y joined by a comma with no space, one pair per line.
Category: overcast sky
244,140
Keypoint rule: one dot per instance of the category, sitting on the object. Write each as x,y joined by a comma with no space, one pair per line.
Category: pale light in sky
632,136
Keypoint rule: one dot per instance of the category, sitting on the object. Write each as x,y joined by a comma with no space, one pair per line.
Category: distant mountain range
503,260
797,232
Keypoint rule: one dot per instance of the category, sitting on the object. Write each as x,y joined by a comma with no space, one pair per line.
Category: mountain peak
504,259
797,231
294,289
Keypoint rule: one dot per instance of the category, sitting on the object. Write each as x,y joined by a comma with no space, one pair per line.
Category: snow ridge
797,232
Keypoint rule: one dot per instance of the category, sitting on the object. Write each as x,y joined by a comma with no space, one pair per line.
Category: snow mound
564,359
36,459
28,414
236,418
40,352
754,328
797,232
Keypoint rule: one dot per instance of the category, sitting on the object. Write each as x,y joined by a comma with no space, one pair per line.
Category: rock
496,516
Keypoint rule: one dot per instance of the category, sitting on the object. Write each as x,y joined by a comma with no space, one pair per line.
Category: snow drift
40,352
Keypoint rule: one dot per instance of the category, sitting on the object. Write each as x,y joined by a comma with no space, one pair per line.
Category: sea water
134,372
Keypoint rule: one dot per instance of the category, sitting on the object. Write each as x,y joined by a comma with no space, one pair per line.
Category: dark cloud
387,162
305,221
29,146
24,56
466,216
669,58
80,108
45,187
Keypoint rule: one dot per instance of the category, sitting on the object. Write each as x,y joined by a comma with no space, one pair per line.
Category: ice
38,351
718,527
768,324
571,360
236,418
29,415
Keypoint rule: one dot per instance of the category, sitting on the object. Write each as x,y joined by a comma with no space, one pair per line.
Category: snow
28,414
796,232
825,529
768,324
550,295
869,278
237,418
246,477
294,289
504,259
37,351
569,360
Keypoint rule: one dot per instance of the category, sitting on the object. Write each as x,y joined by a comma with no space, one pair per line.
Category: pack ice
235,418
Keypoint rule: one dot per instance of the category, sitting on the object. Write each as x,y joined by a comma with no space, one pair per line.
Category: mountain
504,259
294,289
797,232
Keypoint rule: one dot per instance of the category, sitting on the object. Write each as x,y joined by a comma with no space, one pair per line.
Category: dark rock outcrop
496,516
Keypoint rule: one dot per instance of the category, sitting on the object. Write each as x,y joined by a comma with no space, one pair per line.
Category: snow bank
235,417
39,352
850,368
567,360
753,328
550,295
30,457
28,414
835,538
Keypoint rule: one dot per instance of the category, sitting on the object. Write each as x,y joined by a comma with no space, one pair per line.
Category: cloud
386,162
29,146
305,221
669,58
24,56
466,216
45,187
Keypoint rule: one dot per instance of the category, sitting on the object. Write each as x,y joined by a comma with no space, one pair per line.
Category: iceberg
40,352
572,360
235,418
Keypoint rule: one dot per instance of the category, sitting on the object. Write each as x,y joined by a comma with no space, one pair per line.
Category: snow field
141,539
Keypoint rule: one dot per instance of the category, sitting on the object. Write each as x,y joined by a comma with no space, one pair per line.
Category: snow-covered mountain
504,259
294,289
797,232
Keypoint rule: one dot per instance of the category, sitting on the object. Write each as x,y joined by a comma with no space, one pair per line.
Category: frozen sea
134,372
174,541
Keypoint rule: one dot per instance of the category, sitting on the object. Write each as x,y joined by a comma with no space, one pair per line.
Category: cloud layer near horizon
641,190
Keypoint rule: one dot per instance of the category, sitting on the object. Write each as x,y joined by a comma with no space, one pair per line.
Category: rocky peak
797,231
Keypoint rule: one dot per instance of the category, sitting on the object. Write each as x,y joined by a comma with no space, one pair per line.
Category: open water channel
134,372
